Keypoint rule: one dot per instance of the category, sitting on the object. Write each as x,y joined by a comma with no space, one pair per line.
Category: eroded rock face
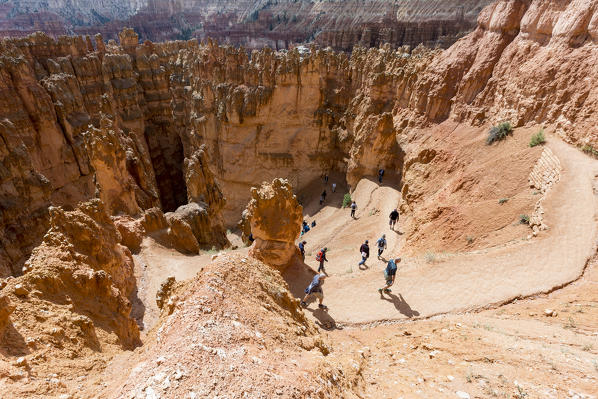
341,24
73,299
108,159
275,217
179,106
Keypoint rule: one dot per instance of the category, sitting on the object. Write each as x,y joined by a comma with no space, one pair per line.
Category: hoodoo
275,219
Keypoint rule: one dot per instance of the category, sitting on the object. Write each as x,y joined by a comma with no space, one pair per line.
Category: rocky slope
254,24
235,331
73,301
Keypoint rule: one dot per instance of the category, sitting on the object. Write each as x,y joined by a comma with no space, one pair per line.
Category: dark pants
352,213
321,268
380,179
380,250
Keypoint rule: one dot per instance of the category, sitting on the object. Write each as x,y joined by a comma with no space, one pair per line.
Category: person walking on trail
380,175
321,257
315,289
325,178
302,249
389,275
323,197
305,228
365,252
334,187
381,245
353,209
393,217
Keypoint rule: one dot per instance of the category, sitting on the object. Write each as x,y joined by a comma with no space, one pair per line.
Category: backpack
320,256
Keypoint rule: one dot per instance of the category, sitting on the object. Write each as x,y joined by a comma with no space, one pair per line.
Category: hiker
315,288
250,238
353,209
381,245
305,228
389,275
325,178
334,187
302,249
321,257
393,217
380,174
313,224
323,197
365,252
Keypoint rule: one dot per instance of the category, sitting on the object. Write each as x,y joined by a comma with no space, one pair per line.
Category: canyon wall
254,24
159,125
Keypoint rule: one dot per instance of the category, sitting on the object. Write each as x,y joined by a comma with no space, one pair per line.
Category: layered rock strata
176,107
254,24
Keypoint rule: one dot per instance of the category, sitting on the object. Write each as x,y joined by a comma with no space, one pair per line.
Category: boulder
275,217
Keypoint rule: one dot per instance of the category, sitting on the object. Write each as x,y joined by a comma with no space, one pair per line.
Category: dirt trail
448,284
458,283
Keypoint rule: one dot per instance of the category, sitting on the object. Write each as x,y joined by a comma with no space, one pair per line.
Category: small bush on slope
537,139
346,200
499,132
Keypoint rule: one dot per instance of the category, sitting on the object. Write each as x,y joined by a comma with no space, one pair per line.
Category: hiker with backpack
315,289
333,187
380,174
321,257
389,275
381,245
302,249
393,217
365,252
353,209
323,197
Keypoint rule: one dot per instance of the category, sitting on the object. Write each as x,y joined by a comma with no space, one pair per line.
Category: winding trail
469,281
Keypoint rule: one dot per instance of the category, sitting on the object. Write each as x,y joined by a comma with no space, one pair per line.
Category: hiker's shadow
401,305
323,318
397,232
363,267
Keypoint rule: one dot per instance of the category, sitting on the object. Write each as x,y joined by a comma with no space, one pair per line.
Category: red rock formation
275,217
74,295
286,115
254,24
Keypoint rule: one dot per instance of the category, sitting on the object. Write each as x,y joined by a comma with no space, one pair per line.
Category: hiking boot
304,304
323,306
380,291
388,291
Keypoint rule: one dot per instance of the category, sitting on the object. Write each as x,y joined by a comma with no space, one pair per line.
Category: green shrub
524,219
588,149
502,200
537,138
499,132
346,200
